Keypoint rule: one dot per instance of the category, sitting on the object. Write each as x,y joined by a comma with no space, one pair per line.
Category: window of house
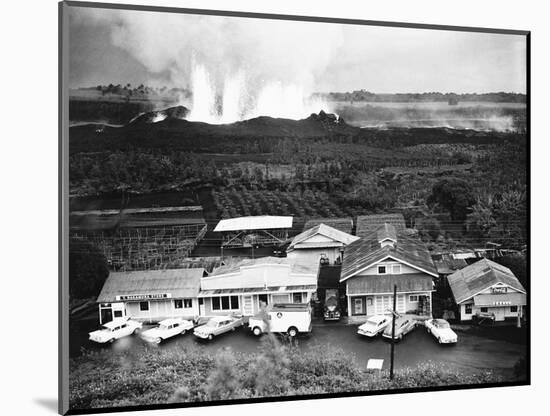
296,298
178,304
396,269
513,308
143,306
225,303
468,309
188,303
413,298
117,314
381,269
483,310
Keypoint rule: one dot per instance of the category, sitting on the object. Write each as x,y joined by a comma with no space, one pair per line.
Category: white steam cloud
236,68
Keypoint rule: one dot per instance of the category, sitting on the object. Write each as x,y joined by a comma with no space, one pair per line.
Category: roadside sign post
393,330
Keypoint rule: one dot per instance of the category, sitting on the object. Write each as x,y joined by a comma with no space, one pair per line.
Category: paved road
470,354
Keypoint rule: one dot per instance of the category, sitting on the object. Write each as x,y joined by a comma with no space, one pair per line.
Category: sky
155,48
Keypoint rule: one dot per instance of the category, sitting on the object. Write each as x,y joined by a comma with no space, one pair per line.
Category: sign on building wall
145,296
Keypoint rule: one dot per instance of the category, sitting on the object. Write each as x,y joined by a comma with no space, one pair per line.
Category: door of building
248,306
499,314
202,309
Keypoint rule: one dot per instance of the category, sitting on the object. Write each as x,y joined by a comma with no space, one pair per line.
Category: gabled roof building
381,259
319,242
150,295
487,289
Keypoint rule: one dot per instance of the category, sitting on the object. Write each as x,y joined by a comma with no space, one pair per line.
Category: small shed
259,231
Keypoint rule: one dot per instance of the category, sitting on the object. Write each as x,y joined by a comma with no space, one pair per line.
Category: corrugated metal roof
256,290
386,232
418,282
261,222
178,282
320,244
98,220
295,267
479,276
366,224
342,224
501,299
449,265
367,250
324,230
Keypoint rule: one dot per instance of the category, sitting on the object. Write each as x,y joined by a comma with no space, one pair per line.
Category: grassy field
156,376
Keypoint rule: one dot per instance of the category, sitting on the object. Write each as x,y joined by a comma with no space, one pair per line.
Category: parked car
374,325
216,326
332,309
441,330
115,329
403,325
167,328
290,318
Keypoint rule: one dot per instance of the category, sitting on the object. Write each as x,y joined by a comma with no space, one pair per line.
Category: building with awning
241,287
319,242
486,288
380,260
150,295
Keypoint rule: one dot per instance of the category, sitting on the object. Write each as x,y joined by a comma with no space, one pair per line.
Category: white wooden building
486,287
380,260
319,241
150,295
241,287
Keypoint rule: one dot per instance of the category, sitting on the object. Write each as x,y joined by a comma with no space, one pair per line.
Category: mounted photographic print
265,208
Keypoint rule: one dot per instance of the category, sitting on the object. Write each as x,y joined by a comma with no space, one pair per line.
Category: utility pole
393,330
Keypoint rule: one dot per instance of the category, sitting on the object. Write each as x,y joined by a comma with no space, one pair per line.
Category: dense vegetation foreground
155,376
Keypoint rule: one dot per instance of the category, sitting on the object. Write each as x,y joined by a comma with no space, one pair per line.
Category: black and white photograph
272,208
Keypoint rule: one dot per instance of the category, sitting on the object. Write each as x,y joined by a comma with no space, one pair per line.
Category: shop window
483,310
143,306
117,314
468,309
413,298
513,308
188,303
178,304
381,269
225,303
296,298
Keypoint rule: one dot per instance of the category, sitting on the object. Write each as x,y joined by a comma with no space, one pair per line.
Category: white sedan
115,329
374,325
167,329
216,326
441,330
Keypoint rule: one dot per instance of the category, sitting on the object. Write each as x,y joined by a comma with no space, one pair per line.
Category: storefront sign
500,289
145,296
502,303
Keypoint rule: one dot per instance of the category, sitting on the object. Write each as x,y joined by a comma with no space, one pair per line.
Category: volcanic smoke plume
235,68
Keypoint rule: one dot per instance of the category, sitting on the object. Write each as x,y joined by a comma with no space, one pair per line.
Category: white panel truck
289,318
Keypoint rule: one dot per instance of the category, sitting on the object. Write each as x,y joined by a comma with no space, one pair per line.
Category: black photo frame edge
63,200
